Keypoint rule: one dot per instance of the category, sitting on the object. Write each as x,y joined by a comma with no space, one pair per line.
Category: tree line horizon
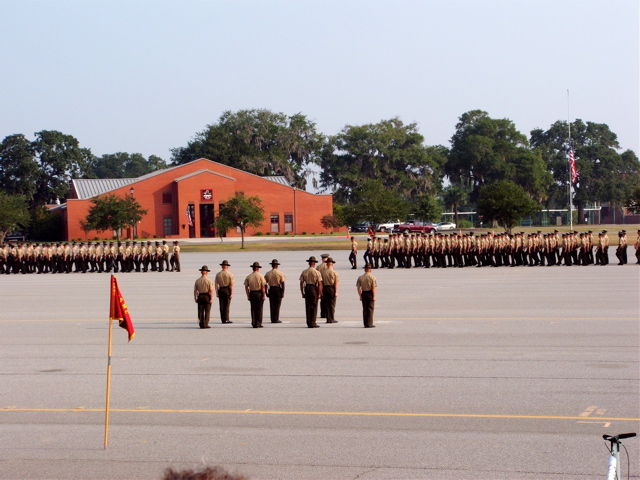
376,172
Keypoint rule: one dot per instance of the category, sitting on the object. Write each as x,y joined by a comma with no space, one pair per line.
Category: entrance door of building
206,220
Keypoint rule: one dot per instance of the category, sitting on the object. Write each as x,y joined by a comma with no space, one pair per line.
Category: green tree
425,207
155,163
373,202
257,141
45,225
505,203
14,213
342,213
124,165
19,170
484,150
111,212
603,174
60,159
42,170
454,196
240,212
331,221
633,202
389,152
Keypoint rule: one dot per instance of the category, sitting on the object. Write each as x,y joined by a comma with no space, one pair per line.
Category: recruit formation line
89,258
437,250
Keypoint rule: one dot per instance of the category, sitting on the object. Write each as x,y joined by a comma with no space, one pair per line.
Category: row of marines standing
90,257
489,249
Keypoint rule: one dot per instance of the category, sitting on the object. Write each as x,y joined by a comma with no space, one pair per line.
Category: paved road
476,373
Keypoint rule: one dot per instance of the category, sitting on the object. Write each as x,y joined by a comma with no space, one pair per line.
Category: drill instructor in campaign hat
203,296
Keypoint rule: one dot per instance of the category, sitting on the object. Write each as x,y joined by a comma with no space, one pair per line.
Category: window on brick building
168,226
275,222
288,222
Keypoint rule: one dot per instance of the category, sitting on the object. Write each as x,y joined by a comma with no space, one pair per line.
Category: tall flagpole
106,408
569,163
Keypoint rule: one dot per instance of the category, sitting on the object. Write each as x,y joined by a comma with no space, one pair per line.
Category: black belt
220,288
254,291
207,294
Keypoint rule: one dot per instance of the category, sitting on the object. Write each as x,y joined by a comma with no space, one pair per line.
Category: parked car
416,226
362,227
446,226
15,237
387,226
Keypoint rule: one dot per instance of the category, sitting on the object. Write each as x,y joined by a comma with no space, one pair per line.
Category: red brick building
183,201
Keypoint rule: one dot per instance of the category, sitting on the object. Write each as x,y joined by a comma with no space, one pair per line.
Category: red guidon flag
118,309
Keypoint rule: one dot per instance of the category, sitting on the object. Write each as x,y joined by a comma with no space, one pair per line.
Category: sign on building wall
206,195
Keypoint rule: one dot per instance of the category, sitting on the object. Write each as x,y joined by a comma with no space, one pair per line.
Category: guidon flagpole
117,311
106,408
570,166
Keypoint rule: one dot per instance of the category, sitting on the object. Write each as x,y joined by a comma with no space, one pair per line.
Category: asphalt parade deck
473,373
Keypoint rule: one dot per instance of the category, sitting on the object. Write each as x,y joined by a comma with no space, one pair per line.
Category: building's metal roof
204,170
278,179
90,187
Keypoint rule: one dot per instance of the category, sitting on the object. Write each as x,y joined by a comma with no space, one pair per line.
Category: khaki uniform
330,280
254,286
224,290
353,258
275,282
366,285
165,256
311,283
203,291
175,258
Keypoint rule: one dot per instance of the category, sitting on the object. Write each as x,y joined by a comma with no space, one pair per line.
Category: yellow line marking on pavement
354,414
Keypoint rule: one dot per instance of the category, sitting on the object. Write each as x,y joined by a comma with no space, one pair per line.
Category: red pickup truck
416,226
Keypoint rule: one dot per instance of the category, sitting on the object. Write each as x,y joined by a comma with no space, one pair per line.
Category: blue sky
145,76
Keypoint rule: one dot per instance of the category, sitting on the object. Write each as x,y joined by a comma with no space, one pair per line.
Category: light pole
132,191
295,226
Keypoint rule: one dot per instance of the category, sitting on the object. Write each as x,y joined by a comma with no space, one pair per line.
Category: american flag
572,165
189,219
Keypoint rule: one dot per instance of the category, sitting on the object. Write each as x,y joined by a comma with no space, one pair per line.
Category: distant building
183,201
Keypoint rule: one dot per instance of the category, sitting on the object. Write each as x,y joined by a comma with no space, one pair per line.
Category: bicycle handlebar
620,436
